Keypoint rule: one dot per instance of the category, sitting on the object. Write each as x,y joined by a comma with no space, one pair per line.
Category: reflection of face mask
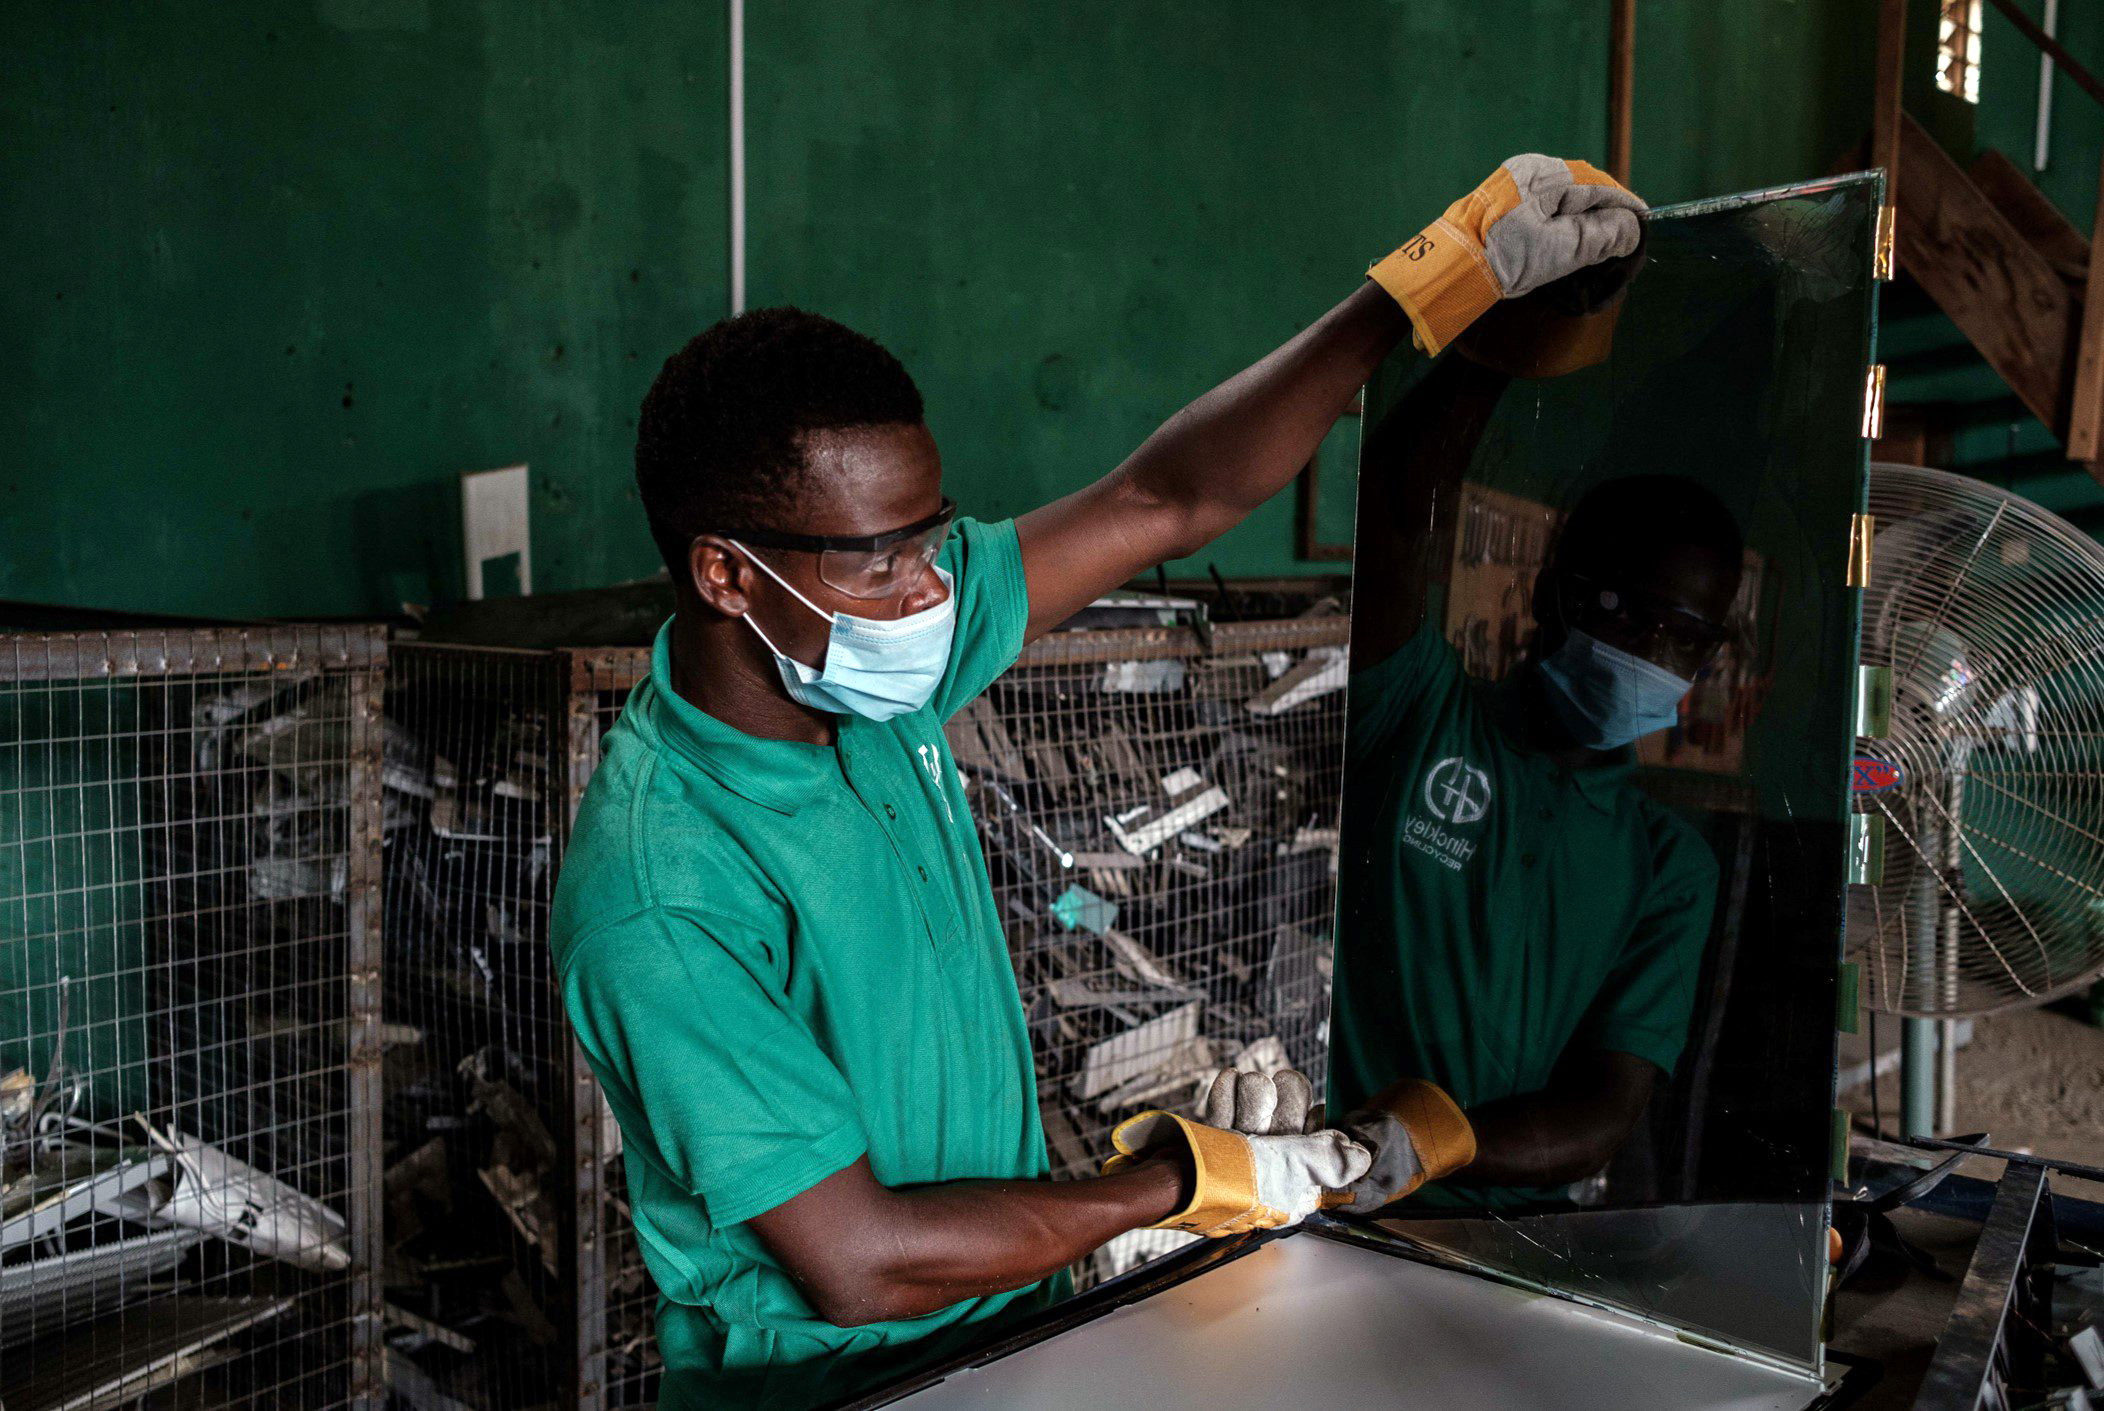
1607,697
874,668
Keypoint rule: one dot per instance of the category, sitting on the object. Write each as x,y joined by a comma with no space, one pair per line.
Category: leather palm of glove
1415,1133
1412,1131
1532,221
1258,1179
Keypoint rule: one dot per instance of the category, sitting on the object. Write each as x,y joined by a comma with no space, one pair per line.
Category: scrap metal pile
1161,831
478,1169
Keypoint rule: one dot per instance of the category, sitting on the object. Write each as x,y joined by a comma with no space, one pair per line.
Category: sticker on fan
1874,776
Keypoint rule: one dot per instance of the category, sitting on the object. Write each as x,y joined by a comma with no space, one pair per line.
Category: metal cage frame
197,813
1151,675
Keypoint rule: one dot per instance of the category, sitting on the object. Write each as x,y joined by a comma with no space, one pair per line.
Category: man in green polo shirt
773,929
1518,923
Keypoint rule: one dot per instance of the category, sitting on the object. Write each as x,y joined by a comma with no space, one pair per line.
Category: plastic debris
1079,908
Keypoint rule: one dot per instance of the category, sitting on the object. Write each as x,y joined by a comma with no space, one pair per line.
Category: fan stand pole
1947,1075
1917,1077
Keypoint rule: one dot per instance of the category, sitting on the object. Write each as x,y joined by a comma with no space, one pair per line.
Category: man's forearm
1245,440
1209,465
864,1253
968,1238
1564,1133
1536,1140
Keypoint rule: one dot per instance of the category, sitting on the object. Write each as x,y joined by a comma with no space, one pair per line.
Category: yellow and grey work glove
1241,1182
1535,220
1416,1133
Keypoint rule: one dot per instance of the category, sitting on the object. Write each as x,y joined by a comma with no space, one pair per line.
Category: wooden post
1621,87
1884,116
2085,413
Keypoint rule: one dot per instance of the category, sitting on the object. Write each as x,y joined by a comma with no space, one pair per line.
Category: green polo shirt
779,958
1497,908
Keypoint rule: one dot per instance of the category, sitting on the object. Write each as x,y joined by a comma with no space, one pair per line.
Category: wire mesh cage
189,1018
481,1259
1159,812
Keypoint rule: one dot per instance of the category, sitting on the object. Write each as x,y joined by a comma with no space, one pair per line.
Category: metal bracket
1866,849
1881,262
1873,701
1862,529
1874,402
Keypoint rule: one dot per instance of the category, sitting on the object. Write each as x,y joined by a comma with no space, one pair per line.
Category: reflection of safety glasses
866,565
1634,616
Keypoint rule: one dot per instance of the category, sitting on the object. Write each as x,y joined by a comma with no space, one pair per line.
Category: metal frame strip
1991,1340
363,964
64,656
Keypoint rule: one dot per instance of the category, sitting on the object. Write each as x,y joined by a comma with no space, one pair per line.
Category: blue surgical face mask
1607,697
874,668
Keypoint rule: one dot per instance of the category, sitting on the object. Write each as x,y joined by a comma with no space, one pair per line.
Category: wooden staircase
1998,258
2007,268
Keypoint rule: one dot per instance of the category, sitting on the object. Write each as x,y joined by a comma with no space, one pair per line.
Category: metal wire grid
188,1018
480,1225
1985,610
1160,823
620,1339
1206,945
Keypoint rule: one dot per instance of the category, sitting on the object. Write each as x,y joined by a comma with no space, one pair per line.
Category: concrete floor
2032,1079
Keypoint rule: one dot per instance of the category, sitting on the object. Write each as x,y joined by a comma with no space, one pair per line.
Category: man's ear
719,575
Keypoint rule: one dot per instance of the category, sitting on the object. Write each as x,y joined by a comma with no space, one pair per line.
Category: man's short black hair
717,444
1636,515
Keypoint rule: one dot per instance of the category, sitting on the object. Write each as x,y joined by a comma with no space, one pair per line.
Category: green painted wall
278,273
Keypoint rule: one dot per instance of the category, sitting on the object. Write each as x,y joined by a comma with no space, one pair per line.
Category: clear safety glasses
870,566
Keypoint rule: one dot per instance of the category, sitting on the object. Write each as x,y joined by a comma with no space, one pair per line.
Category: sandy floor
2033,1080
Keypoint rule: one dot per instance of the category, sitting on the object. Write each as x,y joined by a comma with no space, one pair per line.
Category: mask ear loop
757,562
760,632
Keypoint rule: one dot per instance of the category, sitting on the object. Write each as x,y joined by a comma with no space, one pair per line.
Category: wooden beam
2000,291
2068,63
2038,219
2085,427
1885,114
1621,87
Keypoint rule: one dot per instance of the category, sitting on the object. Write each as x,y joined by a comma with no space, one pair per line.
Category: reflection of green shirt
1496,907
780,957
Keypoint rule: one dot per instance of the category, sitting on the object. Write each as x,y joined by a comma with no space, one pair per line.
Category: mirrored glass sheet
1591,878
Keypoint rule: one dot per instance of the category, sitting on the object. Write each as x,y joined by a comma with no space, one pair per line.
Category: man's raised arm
1533,221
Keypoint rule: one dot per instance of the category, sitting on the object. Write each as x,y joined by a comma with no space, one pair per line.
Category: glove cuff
1224,1175
1443,277
1443,282
1438,1130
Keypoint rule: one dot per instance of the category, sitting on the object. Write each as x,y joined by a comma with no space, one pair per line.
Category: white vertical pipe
2045,89
737,18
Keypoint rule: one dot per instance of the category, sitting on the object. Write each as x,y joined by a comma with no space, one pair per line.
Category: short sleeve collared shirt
1497,908
779,958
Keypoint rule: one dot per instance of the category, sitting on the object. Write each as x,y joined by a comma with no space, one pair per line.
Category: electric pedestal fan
1988,612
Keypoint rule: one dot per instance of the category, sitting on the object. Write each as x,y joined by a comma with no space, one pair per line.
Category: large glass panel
1594,832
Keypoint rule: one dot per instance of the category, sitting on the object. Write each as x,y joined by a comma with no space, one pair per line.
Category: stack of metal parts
1158,808
1159,813
480,1185
189,1025
512,1275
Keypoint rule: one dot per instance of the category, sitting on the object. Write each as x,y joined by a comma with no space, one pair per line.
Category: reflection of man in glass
1521,925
